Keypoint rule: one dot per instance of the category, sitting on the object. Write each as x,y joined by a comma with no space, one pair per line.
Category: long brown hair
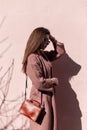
33,44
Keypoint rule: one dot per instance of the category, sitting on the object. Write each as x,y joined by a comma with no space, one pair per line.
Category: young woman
37,65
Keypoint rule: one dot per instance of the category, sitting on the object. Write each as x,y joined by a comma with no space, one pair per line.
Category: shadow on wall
69,114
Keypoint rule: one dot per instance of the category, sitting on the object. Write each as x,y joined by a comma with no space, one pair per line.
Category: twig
3,40
5,50
2,21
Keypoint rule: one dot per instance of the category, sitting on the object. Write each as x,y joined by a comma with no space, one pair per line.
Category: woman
37,65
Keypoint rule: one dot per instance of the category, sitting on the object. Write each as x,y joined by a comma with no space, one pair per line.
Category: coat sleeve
35,73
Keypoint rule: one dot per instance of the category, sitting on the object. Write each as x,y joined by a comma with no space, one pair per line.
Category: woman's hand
55,81
54,41
52,38
58,46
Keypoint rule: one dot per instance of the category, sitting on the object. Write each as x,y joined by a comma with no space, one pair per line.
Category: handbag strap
26,86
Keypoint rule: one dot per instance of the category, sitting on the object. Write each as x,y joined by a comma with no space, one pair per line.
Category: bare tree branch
3,40
10,122
3,52
9,114
7,82
4,18
1,68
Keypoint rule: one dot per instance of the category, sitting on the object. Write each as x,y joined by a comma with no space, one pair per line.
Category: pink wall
67,20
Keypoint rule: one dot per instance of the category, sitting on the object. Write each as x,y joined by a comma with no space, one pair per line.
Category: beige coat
39,70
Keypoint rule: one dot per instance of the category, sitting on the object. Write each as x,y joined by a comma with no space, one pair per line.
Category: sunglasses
46,40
